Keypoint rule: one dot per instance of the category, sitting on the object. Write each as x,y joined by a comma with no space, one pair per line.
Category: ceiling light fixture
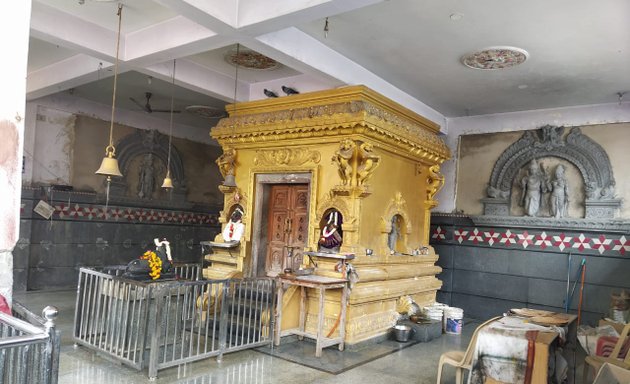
206,111
249,59
494,58
168,182
109,165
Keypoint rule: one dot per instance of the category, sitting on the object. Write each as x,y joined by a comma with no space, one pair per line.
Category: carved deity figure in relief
226,162
146,179
368,163
435,181
533,186
343,159
559,199
394,235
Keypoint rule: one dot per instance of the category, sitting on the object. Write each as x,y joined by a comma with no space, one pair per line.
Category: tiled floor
416,364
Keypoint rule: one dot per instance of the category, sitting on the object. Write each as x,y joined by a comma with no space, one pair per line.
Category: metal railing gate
29,347
157,325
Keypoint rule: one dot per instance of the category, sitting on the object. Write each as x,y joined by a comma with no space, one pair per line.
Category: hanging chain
111,127
170,126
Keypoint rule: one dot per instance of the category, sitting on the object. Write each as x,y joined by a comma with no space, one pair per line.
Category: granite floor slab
415,364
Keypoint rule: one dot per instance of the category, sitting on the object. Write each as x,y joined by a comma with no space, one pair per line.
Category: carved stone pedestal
496,207
602,209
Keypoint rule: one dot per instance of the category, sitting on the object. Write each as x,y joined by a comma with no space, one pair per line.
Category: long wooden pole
581,293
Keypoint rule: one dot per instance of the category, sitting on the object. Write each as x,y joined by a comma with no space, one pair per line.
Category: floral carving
319,120
286,156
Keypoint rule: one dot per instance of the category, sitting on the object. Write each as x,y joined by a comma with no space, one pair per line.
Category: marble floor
416,364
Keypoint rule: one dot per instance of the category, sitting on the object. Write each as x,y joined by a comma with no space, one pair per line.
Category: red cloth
606,344
4,306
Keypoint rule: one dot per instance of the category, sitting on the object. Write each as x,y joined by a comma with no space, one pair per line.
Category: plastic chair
461,360
598,361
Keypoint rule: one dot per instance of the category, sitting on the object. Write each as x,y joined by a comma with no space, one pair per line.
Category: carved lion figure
435,181
226,162
369,162
342,158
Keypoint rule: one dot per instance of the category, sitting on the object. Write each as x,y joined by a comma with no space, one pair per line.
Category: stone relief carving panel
147,150
550,172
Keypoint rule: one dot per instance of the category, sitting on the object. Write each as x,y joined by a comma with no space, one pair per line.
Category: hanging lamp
168,182
109,165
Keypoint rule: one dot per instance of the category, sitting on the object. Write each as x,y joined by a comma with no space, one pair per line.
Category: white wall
48,149
15,30
49,134
76,105
519,121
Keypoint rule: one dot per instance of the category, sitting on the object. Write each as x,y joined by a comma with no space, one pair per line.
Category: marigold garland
155,263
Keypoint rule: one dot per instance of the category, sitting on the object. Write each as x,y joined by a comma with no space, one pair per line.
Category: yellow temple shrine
293,166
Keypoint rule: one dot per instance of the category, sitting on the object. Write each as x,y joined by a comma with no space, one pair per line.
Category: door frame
260,180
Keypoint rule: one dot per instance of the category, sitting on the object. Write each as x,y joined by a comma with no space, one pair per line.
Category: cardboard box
612,374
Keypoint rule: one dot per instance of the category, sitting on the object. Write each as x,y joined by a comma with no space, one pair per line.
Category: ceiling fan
147,106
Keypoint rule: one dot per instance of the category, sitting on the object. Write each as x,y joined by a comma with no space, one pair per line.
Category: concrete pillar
15,24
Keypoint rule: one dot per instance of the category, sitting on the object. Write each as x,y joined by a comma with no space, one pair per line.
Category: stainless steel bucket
402,332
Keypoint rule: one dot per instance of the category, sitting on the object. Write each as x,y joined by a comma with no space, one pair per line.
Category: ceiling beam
151,45
200,79
218,16
65,74
60,28
259,17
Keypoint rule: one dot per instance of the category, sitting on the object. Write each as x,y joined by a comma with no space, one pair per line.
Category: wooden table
544,339
321,283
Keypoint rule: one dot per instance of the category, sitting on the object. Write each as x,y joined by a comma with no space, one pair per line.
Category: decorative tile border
90,212
608,244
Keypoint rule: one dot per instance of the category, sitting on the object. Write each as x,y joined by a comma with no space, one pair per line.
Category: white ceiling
409,50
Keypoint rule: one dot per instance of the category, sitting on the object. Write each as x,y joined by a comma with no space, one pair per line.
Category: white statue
533,187
559,194
235,228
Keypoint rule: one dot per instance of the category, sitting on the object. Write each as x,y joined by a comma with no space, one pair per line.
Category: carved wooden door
288,226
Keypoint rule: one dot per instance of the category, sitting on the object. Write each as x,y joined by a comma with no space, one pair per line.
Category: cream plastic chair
598,361
461,360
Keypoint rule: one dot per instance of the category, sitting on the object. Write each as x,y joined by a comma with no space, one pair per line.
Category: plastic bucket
454,318
434,313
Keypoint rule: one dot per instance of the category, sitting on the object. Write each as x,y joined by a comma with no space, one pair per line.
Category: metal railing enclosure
161,324
29,347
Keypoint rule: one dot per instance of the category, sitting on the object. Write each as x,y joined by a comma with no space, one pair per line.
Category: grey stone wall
82,232
488,270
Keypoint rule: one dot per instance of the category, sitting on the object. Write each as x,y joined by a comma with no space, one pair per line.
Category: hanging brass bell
168,182
109,165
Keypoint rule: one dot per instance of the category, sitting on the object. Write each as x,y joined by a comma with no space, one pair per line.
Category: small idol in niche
235,228
332,234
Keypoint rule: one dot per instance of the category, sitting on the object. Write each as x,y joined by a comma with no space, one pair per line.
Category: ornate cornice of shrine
332,113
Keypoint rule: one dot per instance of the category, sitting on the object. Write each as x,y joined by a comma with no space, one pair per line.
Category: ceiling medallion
495,58
206,111
246,58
